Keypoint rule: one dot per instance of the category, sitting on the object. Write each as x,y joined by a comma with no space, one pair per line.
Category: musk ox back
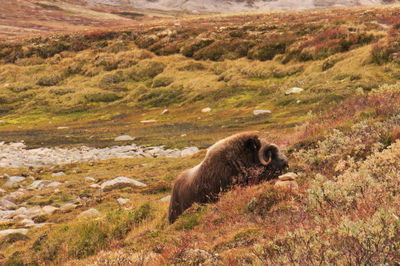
240,159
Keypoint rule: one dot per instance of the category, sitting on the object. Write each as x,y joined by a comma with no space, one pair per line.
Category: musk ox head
241,159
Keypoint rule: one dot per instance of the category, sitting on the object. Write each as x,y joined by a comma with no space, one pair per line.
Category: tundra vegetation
341,135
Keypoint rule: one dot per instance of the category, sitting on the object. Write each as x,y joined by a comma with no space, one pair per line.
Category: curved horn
261,155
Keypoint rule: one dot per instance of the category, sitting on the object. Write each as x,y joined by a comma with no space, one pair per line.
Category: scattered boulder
2,191
62,128
294,90
13,197
124,138
13,181
27,223
68,207
122,201
148,121
48,209
189,151
41,184
7,232
91,213
165,111
121,182
287,182
90,179
95,186
166,199
206,110
6,204
261,112
58,174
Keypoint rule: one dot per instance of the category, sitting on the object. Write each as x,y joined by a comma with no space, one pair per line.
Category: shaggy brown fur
231,161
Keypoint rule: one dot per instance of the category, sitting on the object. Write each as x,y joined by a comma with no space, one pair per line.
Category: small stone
294,90
288,177
124,138
165,111
27,222
189,151
122,201
62,127
184,135
68,207
7,232
121,182
2,191
57,174
148,121
95,186
206,110
91,213
7,204
261,112
49,209
13,181
90,179
166,199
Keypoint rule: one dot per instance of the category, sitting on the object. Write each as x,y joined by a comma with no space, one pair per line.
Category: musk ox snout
241,159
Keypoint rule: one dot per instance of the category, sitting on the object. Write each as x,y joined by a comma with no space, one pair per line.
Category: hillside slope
153,81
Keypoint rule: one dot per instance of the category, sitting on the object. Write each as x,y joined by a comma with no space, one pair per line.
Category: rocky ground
16,154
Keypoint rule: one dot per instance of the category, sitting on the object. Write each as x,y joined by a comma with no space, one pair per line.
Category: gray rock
261,112
121,182
294,90
166,199
57,174
6,204
124,138
206,110
68,207
91,213
189,151
15,195
122,201
7,232
49,209
27,222
148,121
13,181
90,179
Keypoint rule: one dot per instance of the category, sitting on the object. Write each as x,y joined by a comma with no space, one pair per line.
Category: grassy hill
340,134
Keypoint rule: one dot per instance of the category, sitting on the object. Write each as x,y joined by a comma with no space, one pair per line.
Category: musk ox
240,159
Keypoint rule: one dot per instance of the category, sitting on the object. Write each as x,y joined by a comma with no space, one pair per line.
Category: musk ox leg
177,198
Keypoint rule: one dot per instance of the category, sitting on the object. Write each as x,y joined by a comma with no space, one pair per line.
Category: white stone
206,110
261,112
165,111
57,174
90,179
120,182
166,199
124,138
288,176
91,213
122,201
68,207
7,232
95,186
62,127
13,181
27,222
294,90
7,204
49,209
189,151
148,121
